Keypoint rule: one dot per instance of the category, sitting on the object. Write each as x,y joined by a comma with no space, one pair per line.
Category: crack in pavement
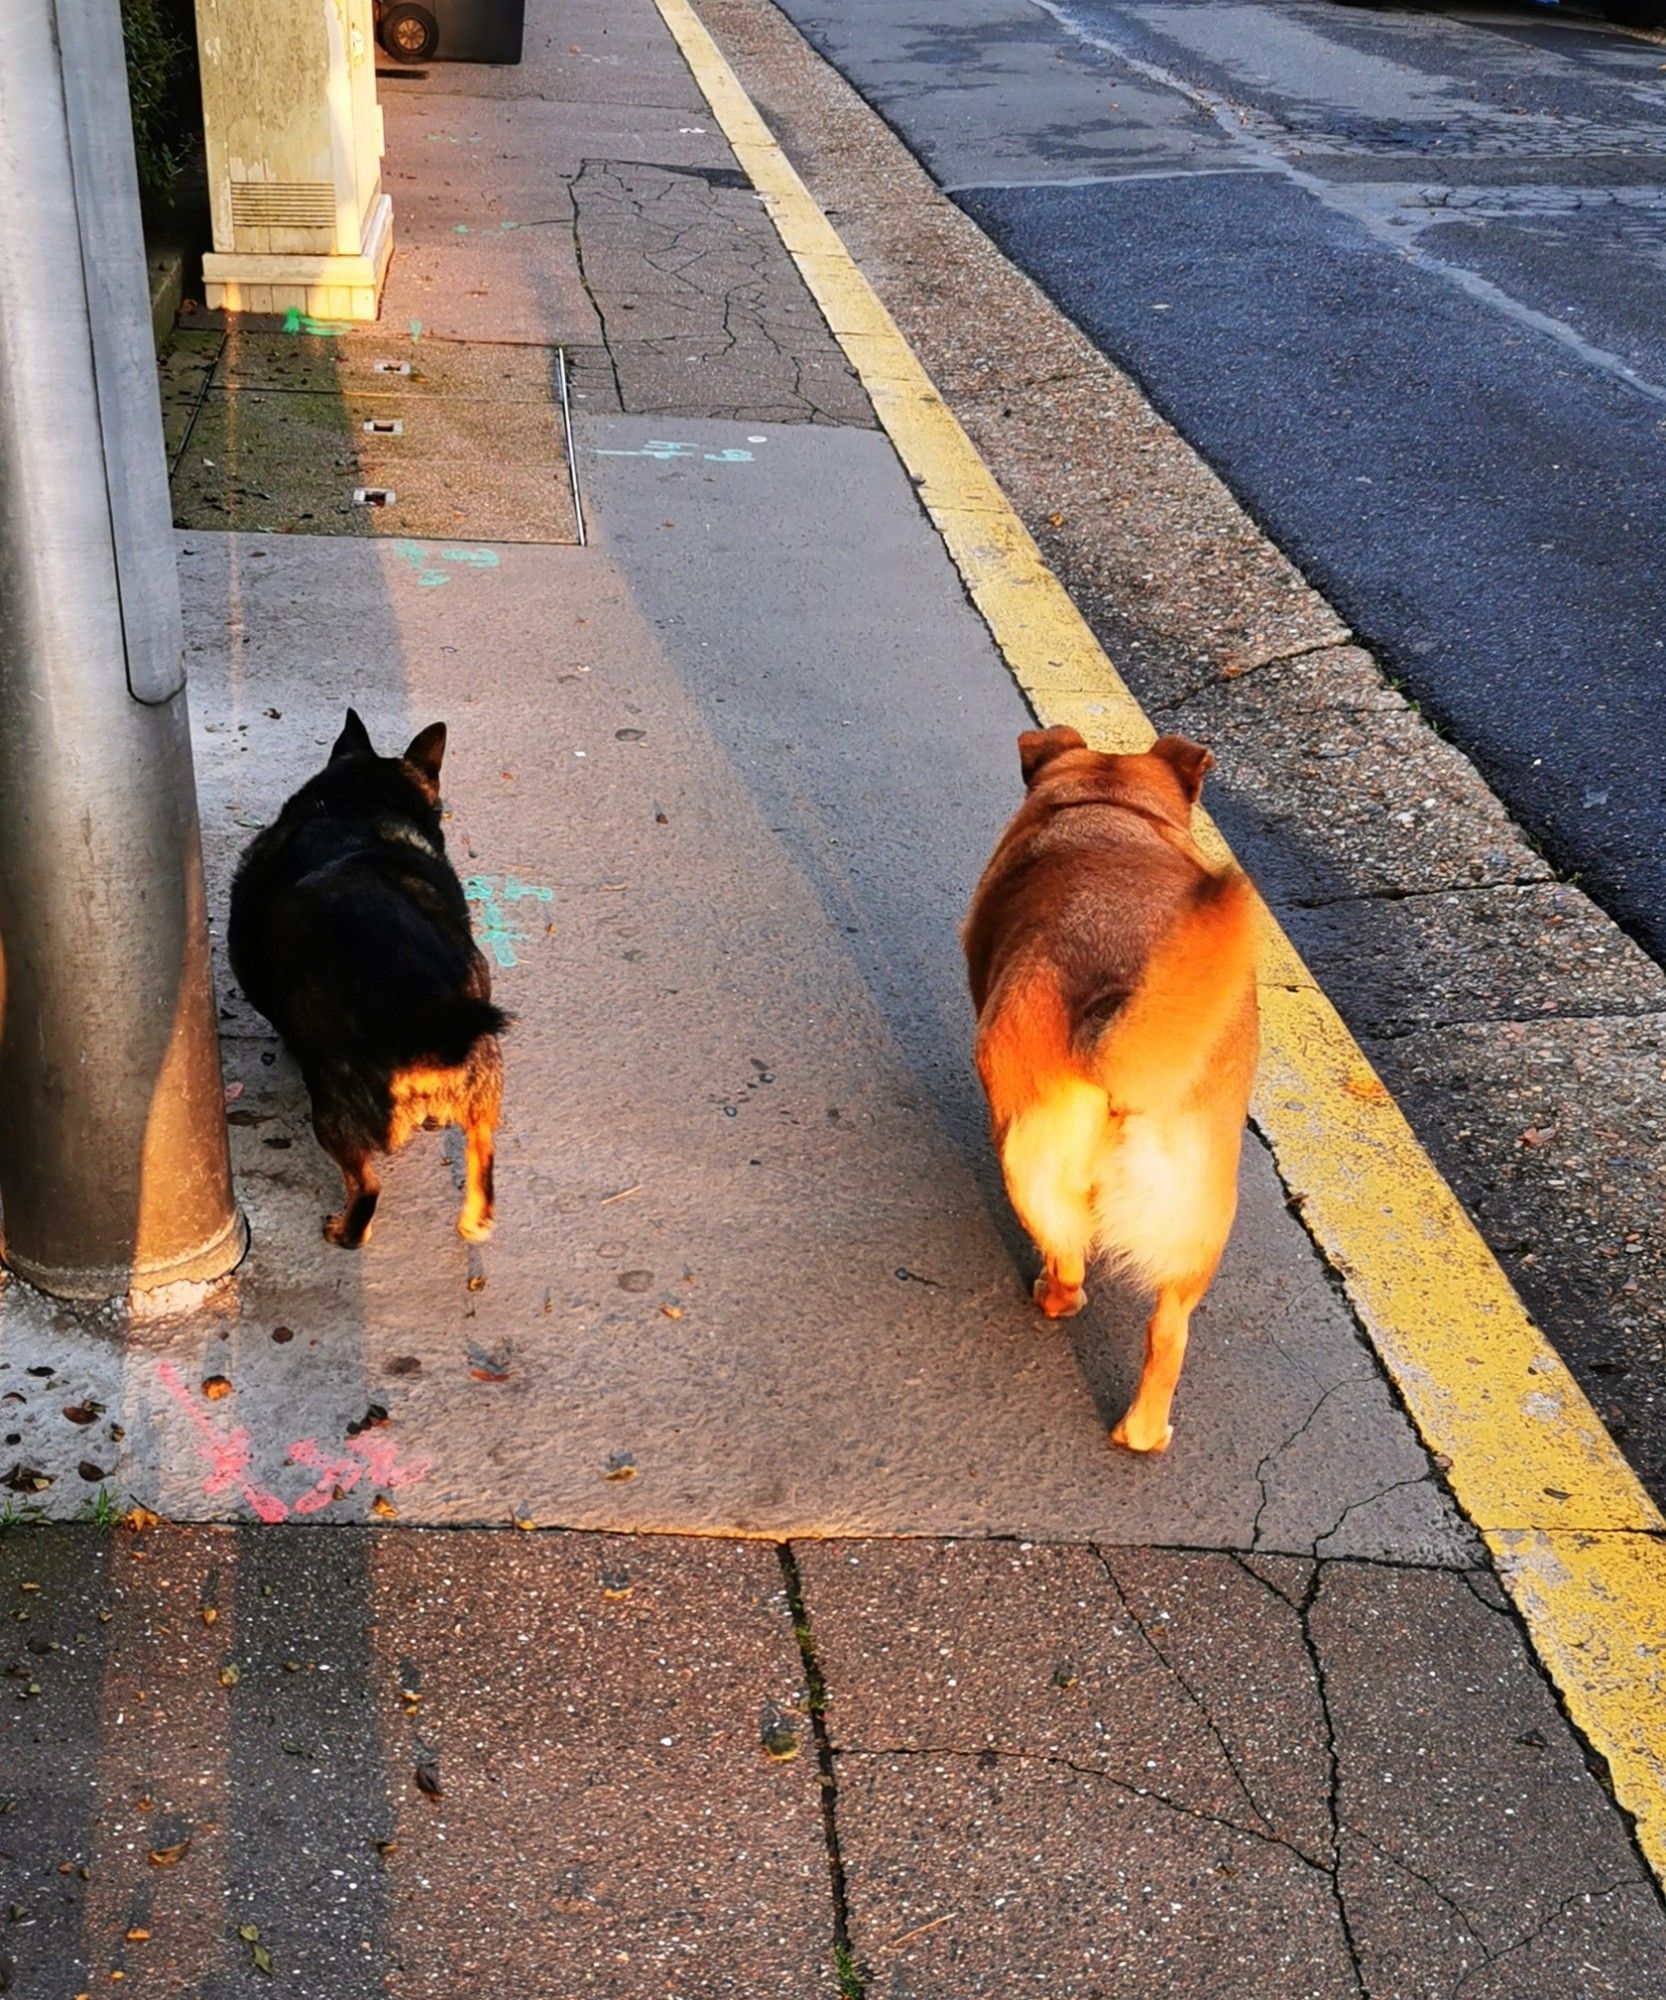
1186,1688
727,294
987,1754
1539,1930
1304,1617
1278,1451
1369,1500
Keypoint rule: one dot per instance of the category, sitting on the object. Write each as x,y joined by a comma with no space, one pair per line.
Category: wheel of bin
410,33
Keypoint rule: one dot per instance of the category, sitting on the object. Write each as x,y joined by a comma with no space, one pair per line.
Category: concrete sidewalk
842,1653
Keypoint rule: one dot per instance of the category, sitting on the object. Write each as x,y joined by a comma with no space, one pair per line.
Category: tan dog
1113,971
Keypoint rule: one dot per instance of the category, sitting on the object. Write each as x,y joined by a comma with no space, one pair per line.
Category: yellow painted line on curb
1577,1540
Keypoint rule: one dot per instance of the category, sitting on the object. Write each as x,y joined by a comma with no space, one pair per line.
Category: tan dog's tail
1157,1049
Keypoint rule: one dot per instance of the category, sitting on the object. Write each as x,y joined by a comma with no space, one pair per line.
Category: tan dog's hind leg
1145,1425
1059,1289
1047,1158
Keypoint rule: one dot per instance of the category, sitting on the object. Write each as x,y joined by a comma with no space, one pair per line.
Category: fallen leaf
248,1933
672,1312
84,1413
216,1386
139,1520
209,1614
165,1857
262,1959
138,1937
384,1507
428,1780
230,1676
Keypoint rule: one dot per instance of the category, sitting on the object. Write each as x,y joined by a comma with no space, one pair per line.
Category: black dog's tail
444,1032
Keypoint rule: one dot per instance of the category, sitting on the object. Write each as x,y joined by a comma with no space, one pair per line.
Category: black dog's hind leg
358,1209
359,1180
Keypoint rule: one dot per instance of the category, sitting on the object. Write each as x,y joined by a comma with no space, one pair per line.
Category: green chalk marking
296,321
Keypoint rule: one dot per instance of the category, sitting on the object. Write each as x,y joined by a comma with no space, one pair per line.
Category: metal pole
114,1167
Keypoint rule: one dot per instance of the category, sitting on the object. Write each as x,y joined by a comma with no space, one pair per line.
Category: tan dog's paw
474,1228
1132,1439
1056,1301
335,1230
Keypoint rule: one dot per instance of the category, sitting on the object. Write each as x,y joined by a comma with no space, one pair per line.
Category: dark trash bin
483,31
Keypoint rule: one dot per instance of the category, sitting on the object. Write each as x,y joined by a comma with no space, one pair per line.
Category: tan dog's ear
1038,747
1188,761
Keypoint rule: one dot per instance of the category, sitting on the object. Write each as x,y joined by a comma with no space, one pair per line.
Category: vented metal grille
283,205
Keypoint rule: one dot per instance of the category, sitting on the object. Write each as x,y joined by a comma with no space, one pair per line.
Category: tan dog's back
1114,976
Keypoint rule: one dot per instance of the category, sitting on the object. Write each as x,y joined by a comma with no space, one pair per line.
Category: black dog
349,931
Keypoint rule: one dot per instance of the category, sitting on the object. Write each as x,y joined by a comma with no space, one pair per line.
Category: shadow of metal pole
114,1166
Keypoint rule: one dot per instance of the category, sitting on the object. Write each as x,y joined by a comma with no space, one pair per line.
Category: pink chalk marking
378,1456
332,1472
228,1456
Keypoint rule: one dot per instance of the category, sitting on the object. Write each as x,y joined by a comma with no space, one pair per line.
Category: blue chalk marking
496,933
654,448
663,448
427,575
417,557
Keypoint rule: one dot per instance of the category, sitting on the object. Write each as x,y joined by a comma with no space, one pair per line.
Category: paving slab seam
815,1704
1497,1409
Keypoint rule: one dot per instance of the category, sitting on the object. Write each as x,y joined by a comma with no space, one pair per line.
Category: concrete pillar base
324,287
85,1284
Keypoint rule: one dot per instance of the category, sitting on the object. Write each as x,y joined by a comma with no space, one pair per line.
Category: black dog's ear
1038,747
354,740
427,750
1188,761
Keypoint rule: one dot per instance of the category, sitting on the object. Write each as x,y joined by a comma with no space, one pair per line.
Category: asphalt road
1397,274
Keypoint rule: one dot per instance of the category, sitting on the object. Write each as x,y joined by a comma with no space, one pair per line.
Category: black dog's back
350,932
